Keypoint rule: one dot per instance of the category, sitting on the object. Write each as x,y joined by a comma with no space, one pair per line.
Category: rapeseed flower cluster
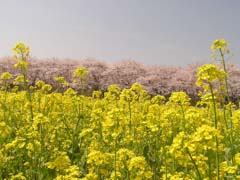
120,134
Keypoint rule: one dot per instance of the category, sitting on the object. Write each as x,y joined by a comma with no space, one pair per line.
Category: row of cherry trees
155,79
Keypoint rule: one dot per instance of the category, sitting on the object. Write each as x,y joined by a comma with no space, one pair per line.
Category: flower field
120,134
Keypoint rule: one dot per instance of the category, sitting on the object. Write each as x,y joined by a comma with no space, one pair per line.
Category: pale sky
162,32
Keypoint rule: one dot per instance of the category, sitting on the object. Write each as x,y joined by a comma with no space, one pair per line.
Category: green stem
228,99
194,164
216,126
214,106
225,70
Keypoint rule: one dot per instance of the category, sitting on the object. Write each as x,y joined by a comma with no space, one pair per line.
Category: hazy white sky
164,32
